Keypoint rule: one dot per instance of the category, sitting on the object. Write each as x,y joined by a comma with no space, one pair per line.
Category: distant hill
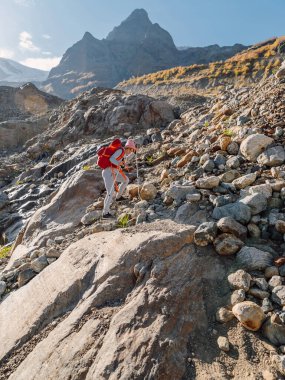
244,68
135,47
12,72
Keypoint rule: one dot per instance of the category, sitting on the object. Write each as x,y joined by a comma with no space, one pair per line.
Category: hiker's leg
124,180
109,184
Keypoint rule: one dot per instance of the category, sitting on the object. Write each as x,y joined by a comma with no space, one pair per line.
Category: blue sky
38,32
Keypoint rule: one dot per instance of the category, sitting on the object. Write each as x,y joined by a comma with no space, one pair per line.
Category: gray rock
25,277
224,315
258,293
39,264
237,296
233,162
190,213
256,202
278,295
179,192
227,244
274,330
282,270
250,258
4,200
3,286
223,343
253,145
52,253
209,166
275,280
233,148
272,156
91,217
239,211
220,160
230,225
240,280
242,119
271,271
267,305
208,182
205,233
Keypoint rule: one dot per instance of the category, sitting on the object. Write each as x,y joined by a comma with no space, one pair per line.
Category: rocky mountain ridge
244,68
14,72
135,47
192,259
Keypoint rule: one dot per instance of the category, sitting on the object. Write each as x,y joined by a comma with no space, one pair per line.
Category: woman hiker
110,160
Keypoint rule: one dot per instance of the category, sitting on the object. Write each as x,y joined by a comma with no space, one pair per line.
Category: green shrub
4,251
228,132
123,221
86,167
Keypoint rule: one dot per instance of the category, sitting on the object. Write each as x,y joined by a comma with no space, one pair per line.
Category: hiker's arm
114,158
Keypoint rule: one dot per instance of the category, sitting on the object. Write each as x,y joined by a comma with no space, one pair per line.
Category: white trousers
108,178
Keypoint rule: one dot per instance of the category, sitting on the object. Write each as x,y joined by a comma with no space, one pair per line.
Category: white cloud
42,63
6,53
46,52
46,36
26,42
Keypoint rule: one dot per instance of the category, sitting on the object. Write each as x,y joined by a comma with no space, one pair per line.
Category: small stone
275,281
205,233
227,244
237,296
233,162
261,283
229,225
258,293
253,230
51,260
250,315
233,148
267,305
208,182
91,217
52,252
264,189
3,286
223,343
274,330
240,280
59,239
133,190
282,270
224,315
39,264
278,295
148,191
280,226
229,176
244,181
25,277
193,197
271,271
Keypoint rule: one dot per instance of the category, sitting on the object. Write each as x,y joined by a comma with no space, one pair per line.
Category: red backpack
105,153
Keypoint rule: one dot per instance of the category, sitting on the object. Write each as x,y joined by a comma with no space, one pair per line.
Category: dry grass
257,62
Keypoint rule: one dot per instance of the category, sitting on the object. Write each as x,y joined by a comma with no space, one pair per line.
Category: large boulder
66,208
108,314
157,113
253,145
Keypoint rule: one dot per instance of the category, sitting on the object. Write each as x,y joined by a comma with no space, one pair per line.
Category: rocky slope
187,281
244,68
134,48
23,114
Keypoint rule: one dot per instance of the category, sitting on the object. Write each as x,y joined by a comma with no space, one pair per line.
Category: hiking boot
107,216
121,199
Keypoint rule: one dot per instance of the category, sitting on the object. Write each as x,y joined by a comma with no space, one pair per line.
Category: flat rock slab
113,317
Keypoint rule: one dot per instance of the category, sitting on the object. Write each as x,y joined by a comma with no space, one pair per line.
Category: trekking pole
138,178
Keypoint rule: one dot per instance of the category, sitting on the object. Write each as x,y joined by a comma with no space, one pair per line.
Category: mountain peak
133,28
88,36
